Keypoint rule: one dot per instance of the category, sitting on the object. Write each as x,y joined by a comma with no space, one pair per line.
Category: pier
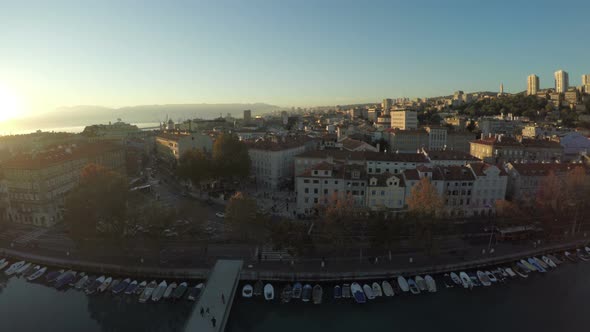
222,282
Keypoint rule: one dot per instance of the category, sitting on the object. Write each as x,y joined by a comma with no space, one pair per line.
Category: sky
287,53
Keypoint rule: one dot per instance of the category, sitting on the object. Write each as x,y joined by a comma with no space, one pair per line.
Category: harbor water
551,302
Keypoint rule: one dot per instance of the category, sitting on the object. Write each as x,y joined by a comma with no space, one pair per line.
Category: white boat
93,287
148,291
413,286
540,262
159,291
387,289
368,292
81,282
430,284
140,288
528,265
549,262
421,283
346,291
456,279
170,289
14,267
491,276
22,269
510,273
483,278
403,284
195,292
465,280
37,274
269,292
3,263
247,291
377,291
107,282
317,294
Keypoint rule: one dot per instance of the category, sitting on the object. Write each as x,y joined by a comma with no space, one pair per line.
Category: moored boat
582,255
121,286
92,288
413,286
465,280
180,290
140,288
297,288
287,293
377,291
81,282
337,292
131,288
403,284
449,283
195,292
317,294
169,290
88,282
306,293
114,284
483,278
346,294
247,291
63,282
458,281
510,273
148,291
37,274
357,293
543,264
107,282
519,271
159,291
528,265
421,283
491,276
368,292
269,292
569,256
387,289
549,262
14,267
536,265
3,263
430,284
555,259
30,271
22,269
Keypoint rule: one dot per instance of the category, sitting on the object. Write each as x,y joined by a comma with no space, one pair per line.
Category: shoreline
281,276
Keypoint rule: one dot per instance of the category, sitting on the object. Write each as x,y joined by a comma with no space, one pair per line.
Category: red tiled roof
504,141
543,169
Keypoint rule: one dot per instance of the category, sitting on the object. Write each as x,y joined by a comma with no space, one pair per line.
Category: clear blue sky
302,53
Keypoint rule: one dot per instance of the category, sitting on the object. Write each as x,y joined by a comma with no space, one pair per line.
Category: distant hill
89,114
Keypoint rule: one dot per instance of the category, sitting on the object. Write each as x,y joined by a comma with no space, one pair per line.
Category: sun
10,104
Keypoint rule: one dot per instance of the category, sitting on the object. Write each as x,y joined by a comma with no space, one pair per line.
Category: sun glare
10,104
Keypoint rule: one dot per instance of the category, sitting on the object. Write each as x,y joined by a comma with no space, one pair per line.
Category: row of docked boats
90,284
362,292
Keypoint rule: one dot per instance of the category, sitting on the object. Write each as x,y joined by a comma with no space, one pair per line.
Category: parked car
220,214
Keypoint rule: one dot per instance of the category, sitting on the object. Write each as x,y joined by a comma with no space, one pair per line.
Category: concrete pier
217,297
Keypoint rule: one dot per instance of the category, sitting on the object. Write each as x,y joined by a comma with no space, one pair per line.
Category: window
306,181
315,200
306,190
325,172
325,181
316,181
373,192
306,199
325,191
382,192
315,190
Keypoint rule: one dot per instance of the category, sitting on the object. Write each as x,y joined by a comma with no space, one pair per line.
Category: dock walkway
222,281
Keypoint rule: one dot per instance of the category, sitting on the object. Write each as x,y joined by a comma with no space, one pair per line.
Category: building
37,183
586,83
386,104
495,126
325,183
496,149
350,144
572,96
118,131
272,160
574,144
437,138
561,81
383,121
404,120
532,86
449,157
373,114
489,187
171,146
541,150
386,192
459,140
247,116
526,179
406,140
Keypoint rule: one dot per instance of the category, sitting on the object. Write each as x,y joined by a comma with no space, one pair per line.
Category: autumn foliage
424,199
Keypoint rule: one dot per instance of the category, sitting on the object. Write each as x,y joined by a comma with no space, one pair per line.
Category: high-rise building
586,83
247,116
532,86
386,104
404,120
501,89
561,81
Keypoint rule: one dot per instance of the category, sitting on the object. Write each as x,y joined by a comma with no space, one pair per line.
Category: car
220,214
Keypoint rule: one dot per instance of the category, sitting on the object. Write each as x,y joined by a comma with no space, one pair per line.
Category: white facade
404,120
532,85
273,167
386,192
561,81
175,145
489,187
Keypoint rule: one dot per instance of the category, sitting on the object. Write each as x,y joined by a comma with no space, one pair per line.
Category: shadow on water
551,302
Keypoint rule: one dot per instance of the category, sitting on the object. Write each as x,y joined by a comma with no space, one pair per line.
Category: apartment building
171,146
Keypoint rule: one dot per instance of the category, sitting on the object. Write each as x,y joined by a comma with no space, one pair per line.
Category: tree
98,202
230,157
471,126
241,215
424,199
510,213
424,204
195,165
